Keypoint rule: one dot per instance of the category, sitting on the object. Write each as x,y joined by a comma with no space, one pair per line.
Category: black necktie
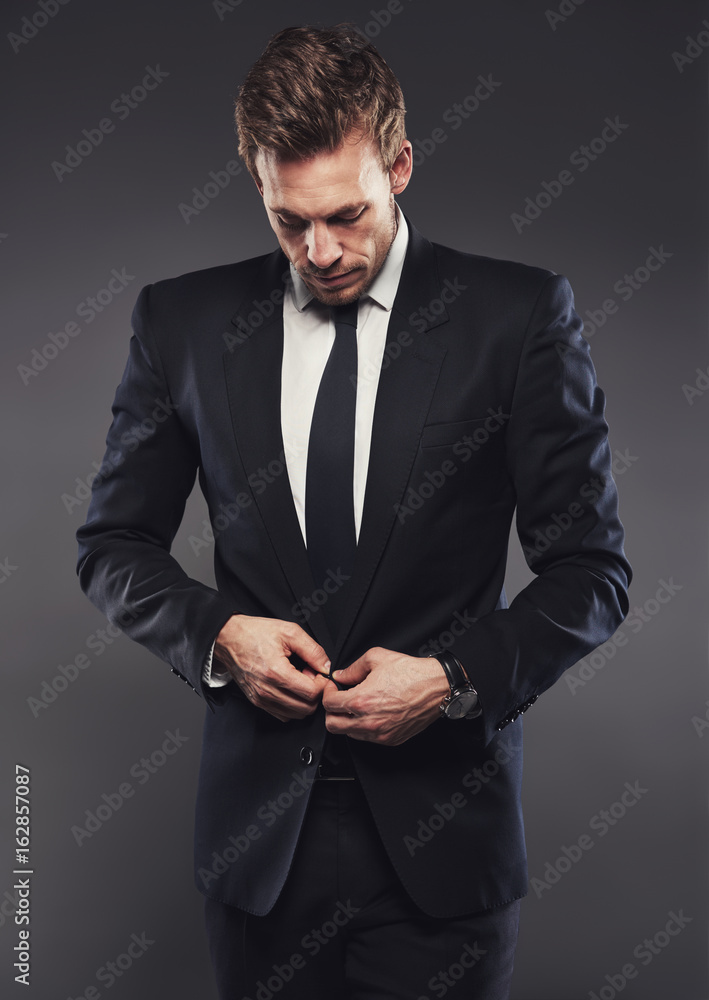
329,504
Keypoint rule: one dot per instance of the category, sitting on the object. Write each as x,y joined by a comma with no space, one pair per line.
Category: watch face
461,704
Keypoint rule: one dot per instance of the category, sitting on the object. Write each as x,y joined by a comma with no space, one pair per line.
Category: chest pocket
461,432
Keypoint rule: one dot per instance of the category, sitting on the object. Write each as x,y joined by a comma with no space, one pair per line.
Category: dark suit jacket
487,401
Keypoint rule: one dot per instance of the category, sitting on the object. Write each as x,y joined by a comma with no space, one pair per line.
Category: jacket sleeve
138,500
559,461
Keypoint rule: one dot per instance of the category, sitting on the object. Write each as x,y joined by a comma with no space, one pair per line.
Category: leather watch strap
457,677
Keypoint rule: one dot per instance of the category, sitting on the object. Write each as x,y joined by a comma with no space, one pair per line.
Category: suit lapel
253,377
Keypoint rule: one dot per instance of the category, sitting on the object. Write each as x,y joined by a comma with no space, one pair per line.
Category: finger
298,641
354,674
344,725
280,689
338,725
283,707
304,686
337,702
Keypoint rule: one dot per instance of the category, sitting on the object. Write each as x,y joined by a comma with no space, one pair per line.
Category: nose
323,247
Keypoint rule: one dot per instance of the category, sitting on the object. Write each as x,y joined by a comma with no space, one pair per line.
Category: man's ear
401,168
259,185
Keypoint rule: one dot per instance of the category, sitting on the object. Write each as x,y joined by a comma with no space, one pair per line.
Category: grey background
119,209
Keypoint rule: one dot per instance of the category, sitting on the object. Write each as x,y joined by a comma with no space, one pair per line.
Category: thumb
299,642
349,676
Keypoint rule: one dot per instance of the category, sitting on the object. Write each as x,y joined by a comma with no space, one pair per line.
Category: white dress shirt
308,336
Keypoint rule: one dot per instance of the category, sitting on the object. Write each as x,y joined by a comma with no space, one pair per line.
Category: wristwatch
462,702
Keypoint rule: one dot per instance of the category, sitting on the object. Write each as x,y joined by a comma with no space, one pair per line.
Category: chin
339,297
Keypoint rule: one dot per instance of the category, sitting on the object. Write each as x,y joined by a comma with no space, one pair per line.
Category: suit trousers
343,926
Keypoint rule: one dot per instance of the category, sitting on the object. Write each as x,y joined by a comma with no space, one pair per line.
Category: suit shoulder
187,311
210,279
495,272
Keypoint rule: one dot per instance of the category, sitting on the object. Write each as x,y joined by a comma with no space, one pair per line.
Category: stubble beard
348,295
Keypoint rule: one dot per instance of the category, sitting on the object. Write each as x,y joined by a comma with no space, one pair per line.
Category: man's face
334,214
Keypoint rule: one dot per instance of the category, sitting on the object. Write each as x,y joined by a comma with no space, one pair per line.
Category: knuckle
361,704
269,674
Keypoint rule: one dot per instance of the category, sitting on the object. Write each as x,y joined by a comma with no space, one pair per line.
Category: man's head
320,118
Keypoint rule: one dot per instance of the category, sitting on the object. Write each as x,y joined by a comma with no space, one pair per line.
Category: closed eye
288,225
341,220
336,220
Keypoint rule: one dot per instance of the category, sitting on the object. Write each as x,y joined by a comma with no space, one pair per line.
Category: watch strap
457,677
460,687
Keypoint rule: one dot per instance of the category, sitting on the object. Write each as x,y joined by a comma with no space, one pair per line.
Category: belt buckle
321,776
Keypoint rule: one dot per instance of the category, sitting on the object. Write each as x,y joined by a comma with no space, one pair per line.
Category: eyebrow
342,210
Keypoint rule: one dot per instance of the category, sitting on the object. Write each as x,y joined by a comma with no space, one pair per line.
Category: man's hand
255,651
390,697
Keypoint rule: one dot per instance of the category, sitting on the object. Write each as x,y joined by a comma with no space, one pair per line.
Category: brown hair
310,88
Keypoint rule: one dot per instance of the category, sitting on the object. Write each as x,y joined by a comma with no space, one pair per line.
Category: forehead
322,184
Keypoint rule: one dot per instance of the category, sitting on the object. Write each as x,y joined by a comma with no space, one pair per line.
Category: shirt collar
384,287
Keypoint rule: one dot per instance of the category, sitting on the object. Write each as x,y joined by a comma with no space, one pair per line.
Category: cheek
365,245
377,248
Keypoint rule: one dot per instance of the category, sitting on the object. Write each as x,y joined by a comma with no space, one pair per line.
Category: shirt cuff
214,676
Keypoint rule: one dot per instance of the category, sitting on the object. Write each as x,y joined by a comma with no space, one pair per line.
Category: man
366,410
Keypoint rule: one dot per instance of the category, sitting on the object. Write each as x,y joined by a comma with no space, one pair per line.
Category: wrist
440,686
461,700
229,632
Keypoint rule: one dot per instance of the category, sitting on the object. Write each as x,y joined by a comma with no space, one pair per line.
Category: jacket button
306,755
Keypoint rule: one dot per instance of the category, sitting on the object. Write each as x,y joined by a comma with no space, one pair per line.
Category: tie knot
346,315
